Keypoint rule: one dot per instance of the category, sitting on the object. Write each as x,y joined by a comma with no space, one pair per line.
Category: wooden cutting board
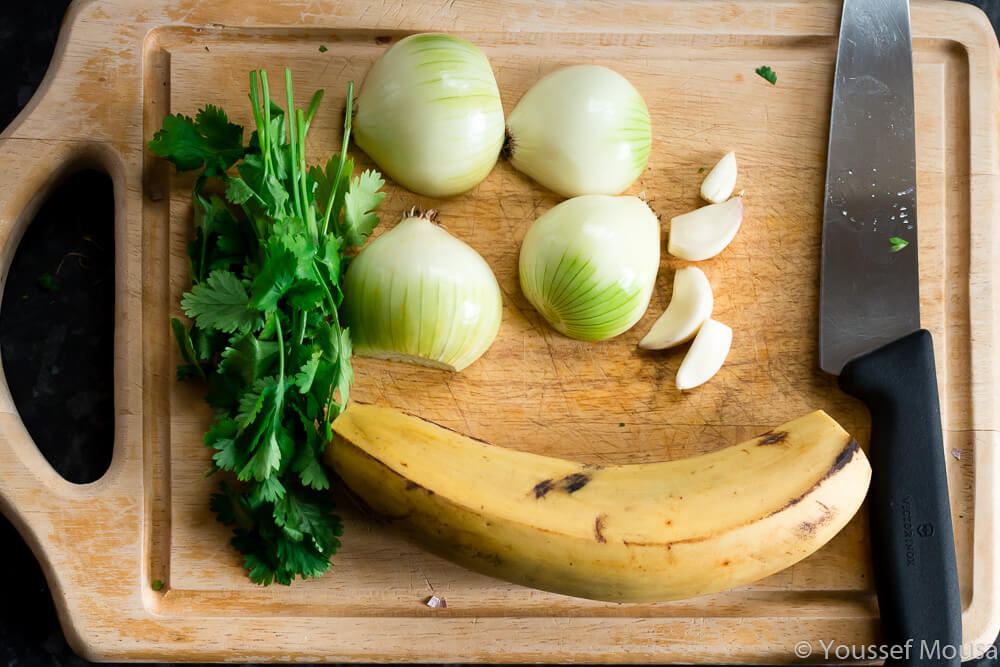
120,66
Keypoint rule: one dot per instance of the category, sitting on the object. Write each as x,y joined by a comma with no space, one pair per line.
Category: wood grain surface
121,66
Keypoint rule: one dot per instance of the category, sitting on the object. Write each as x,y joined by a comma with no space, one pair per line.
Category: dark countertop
56,340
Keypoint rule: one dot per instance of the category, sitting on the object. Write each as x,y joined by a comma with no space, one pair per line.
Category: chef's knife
869,329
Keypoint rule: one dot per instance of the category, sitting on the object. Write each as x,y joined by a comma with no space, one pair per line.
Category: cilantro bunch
266,264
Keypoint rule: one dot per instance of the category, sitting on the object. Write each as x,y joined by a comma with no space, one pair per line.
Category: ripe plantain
622,533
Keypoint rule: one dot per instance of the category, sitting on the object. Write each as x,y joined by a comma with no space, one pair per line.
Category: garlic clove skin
721,181
690,305
705,232
706,355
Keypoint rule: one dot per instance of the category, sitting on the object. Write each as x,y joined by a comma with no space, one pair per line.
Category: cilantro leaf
209,139
222,437
275,277
304,558
221,302
898,243
268,491
224,390
326,184
299,516
249,357
263,185
254,400
305,295
237,190
767,74
231,508
185,346
345,374
264,461
223,140
359,206
304,378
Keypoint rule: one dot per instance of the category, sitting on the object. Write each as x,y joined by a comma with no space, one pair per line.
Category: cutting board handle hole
56,327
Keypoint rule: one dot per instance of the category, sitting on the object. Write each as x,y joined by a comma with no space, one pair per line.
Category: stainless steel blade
869,291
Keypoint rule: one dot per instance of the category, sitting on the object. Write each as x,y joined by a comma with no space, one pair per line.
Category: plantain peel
619,533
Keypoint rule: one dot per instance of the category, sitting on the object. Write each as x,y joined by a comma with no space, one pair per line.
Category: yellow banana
623,533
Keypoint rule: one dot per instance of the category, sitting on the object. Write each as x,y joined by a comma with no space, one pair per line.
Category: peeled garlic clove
690,305
706,355
705,232
720,182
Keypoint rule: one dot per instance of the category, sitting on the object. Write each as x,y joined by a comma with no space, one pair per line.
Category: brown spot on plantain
543,487
570,484
807,528
574,482
845,457
599,528
725,563
772,438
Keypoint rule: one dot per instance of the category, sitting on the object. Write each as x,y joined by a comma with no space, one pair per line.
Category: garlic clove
690,305
706,355
705,232
720,182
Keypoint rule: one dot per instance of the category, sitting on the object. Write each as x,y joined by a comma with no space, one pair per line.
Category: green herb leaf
275,277
359,206
209,139
254,400
222,303
264,461
304,378
768,74
249,357
158,585
898,243
185,346
322,48
222,437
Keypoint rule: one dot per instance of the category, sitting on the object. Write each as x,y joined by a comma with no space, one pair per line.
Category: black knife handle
913,547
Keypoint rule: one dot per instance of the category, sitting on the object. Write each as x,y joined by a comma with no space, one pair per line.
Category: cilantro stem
313,105
343,157
293,143
329,295
307,205
302,325
268,167
281,354
255,103
196,197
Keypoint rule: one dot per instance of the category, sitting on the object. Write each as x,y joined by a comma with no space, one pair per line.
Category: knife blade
869,328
